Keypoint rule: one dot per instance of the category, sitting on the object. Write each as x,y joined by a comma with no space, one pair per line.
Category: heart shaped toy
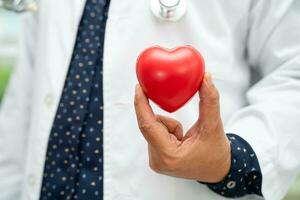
170,77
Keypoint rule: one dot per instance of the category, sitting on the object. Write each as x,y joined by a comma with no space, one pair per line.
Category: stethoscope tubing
160,8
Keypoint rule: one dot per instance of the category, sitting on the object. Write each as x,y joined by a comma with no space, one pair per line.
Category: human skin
202,154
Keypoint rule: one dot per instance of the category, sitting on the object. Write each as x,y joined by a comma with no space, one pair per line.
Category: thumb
209,107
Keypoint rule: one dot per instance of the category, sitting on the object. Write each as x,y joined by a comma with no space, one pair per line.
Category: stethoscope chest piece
168,10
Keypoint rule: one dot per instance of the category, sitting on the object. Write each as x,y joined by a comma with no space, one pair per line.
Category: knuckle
179,126
154,166
215,97
145,126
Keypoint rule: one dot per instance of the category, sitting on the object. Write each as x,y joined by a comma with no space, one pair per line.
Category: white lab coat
232,36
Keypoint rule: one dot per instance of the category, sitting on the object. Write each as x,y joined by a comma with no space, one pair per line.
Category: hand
202,154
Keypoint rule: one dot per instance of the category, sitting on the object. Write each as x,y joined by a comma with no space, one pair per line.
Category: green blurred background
5,71
9,28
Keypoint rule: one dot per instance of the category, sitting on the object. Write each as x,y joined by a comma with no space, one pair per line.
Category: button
31,180
231,184
49,100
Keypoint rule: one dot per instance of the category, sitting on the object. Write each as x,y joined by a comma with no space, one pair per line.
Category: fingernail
208,78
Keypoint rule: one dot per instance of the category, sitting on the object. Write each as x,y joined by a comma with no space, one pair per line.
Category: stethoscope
168,10
19,6
165,10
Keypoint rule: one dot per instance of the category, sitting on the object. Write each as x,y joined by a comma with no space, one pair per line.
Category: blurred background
9,30
9,25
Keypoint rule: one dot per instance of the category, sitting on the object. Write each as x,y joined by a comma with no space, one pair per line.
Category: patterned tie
74,160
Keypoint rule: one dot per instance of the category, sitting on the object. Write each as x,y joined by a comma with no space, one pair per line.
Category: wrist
245,176
222,167
220,164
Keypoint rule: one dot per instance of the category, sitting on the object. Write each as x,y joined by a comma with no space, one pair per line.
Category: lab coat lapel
68,15
56,35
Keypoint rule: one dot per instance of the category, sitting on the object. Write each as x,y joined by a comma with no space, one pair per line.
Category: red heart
170,78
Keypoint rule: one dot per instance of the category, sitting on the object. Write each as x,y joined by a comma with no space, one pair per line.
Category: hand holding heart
202,154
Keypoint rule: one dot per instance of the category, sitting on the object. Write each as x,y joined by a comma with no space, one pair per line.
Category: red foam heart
170,77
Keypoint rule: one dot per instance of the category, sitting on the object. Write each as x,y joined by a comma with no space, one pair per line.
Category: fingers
173,126
154,133
143,110
209,101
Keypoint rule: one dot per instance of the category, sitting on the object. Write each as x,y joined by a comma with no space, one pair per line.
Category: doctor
68,127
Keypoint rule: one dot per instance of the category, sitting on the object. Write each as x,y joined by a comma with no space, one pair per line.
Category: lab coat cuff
244,176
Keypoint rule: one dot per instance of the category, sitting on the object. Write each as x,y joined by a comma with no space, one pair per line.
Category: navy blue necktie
74,161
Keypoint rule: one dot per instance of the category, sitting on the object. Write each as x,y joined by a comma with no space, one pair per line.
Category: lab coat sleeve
14,116
271,120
